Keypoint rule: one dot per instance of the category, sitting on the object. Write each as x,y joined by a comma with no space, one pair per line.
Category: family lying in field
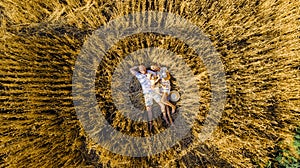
156,86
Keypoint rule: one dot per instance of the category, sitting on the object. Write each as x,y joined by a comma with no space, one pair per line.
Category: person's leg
149,111
169,115
165,101
157,99
163,110
148,103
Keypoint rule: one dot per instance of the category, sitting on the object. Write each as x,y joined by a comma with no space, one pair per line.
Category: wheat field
258,44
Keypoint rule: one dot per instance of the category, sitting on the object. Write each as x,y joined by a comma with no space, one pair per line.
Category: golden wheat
258,42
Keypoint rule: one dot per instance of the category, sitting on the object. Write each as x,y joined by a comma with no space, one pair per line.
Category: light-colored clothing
150,96
155,87
149,93
145,82
157,90
165,86
162,72
151,72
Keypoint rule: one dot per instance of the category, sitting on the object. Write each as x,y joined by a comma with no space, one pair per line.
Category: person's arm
133,70
157,80
151,72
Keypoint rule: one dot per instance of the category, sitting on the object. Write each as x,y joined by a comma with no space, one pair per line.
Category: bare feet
173,109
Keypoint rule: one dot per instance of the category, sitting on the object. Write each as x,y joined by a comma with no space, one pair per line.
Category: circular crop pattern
103,39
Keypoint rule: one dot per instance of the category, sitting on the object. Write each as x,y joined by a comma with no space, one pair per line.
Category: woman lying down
161,84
